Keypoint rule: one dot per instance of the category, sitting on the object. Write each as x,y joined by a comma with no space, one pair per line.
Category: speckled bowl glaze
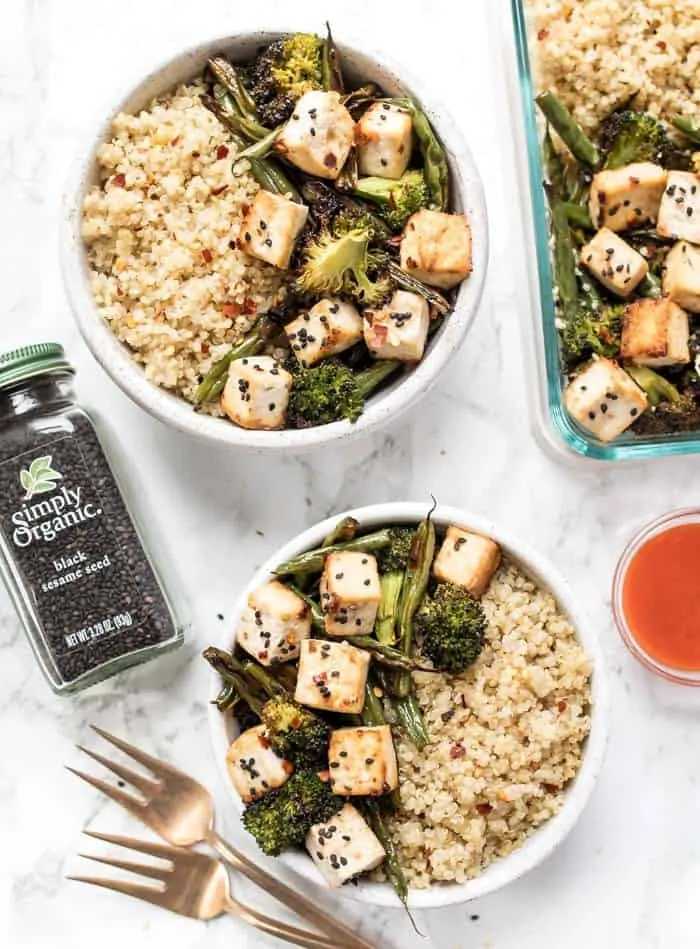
549,835
387,405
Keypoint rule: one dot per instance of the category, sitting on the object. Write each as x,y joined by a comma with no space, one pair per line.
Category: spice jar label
71,538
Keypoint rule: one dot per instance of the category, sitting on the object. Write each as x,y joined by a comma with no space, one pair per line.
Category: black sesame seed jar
70,553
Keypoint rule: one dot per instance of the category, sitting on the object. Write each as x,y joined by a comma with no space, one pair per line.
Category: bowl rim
117,361
545,839
675,518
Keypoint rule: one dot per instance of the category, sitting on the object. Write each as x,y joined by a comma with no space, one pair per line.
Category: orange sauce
661,597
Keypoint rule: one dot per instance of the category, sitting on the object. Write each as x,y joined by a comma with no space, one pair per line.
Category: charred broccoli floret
628,136
392,561
331,391
452,626
396,200
282,72
282,818
295,733
395,557
586,333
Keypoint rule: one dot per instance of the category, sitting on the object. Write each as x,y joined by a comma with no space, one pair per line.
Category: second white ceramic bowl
546,838
361,65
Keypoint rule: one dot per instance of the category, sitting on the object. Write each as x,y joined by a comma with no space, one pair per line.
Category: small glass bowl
673,519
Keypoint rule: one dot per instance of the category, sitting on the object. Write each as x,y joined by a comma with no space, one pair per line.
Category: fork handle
302,906
297,937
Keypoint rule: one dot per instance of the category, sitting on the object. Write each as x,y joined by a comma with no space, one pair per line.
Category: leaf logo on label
39,478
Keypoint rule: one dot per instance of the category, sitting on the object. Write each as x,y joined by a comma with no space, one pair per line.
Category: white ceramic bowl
546,838
115,358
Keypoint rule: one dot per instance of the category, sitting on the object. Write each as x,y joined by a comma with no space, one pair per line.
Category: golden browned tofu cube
273,624
437,248
466,559
625,197
682,276
332,676
254,768
604,399
330,327
362,761
319,135
384,138
655,333
344,847
350,593
256,393
679,213
271,227
614,263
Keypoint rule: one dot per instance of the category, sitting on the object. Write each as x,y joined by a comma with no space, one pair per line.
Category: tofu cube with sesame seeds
271,227
604,399
319,135
398,330
344,847
616,264
437,248
274,624
350,593
332,676
655,333
384,138
681,282
679,213
256,393
362,761
330,327
254,768
625,197
467,559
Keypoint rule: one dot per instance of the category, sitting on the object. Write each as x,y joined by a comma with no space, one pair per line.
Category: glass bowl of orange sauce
656,596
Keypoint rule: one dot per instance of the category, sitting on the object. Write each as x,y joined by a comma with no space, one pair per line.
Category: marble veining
628,875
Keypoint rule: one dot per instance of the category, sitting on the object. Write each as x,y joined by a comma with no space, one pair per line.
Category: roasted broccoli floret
282,72
628,136
586,333
396,200
395,557
332,391
452,626
282,818
295,733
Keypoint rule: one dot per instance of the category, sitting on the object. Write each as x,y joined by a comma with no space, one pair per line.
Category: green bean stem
411,718
570,132
392,864
227,75
312,561
389,657
343,531
415,584
331,72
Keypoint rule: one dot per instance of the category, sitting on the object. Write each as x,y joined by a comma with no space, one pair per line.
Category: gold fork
181,811
193,884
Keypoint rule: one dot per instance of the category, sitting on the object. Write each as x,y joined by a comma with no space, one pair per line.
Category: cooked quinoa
506,739
160,231
596,54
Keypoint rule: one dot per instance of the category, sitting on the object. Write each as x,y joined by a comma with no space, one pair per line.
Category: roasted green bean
568,129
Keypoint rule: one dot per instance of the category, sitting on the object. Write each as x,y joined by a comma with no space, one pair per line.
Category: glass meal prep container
555,428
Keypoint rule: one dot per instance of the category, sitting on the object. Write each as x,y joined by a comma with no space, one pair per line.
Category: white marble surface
629,874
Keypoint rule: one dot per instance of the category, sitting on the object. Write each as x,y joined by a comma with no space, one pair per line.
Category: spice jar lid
30,361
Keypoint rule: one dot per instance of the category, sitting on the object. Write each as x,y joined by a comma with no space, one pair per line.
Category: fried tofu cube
655,333
319,135
398,330
625,197
344,847
437,248
330,327
362,761
679,214
271,227
254,768
466,559
256,393
274,624
616,265
681,281
384,140
350,593
332,676
604,399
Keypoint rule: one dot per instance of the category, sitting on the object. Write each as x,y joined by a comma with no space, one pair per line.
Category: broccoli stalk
398,199
452,625
331,392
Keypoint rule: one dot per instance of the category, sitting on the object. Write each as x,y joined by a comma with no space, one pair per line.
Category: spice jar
71,555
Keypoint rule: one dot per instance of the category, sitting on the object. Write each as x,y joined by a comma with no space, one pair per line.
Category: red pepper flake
221,152
205,349
562,706
264,741
195,154
321,677
174,141
216,191
484,809
207,255
119,180
230,310
428,855
661,45
245,208
249,306
542,34
324,775
457,750
120,292
550,788
263,654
